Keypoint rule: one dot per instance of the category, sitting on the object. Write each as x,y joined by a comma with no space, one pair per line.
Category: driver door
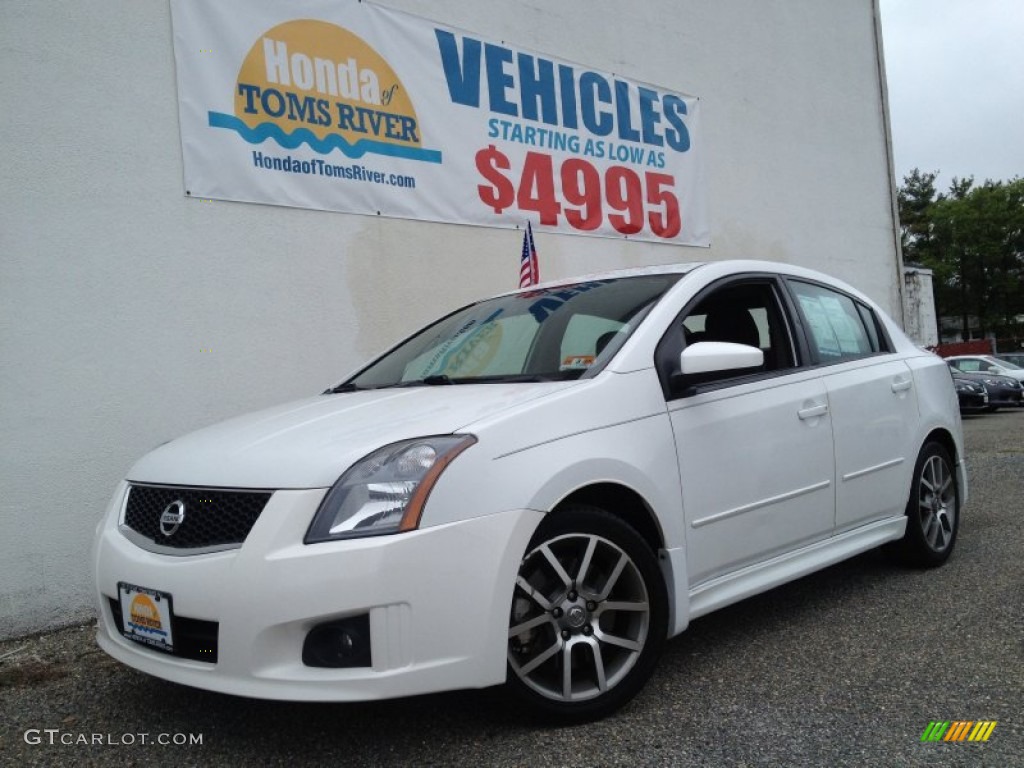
754,447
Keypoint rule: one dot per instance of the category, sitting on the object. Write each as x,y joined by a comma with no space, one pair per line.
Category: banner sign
346,106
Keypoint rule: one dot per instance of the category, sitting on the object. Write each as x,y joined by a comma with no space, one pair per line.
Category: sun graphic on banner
315,83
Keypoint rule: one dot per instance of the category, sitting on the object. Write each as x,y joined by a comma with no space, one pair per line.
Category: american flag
529,268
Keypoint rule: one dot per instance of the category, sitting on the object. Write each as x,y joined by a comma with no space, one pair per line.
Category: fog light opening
338,644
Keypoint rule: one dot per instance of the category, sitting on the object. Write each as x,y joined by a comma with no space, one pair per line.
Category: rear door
872,401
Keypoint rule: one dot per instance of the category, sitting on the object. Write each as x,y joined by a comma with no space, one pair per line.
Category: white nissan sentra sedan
537,489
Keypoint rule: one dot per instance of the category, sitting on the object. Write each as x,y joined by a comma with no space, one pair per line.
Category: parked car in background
986,364
1003,391
539,488
971,395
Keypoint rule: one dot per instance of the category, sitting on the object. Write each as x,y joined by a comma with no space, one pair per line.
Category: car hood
998,379
309,443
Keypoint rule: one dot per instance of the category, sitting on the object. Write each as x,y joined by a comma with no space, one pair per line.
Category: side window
878,342
836,324
747,313
968,366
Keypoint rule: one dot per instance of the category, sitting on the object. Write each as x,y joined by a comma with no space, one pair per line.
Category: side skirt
733,587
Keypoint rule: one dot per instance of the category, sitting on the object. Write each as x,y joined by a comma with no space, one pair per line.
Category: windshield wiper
430,381
521,378
500,378
437,378
347,387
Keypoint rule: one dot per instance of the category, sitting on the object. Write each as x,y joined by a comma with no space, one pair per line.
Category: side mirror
715,356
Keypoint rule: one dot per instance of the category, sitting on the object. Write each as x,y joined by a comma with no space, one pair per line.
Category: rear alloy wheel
588,618
933,509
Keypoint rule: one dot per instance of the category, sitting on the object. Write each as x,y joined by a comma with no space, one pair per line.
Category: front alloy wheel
588,617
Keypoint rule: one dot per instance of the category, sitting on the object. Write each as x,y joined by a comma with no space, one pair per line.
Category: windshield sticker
576,363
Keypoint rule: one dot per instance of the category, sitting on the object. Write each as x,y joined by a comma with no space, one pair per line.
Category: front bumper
972,401
438,602
1005,399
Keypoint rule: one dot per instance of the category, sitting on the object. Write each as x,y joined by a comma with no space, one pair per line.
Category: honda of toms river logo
311,82
144,616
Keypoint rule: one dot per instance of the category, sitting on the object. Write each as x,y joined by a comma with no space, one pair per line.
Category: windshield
548,334
1004,363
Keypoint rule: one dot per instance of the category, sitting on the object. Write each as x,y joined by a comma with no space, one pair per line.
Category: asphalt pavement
846,667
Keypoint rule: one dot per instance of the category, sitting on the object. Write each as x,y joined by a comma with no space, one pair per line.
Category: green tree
916,198
973,240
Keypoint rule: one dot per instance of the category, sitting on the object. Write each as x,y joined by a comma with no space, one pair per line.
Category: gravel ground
844,667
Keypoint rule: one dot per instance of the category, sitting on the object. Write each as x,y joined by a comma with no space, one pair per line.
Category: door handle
901,385
813,412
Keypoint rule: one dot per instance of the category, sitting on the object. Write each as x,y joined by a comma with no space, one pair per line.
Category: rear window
839,327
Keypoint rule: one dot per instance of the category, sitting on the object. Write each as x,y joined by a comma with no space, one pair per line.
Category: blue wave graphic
141,628
324,146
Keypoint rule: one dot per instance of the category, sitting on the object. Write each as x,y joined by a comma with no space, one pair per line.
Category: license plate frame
147,616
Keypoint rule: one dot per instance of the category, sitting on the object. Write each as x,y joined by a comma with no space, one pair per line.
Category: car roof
723,266
679,268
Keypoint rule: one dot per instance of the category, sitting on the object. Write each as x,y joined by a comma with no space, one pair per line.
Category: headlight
385,491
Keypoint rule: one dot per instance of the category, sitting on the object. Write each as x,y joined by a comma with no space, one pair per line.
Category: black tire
933,510
581,616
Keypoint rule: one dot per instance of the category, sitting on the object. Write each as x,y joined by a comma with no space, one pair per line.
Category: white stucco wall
130,314
919,309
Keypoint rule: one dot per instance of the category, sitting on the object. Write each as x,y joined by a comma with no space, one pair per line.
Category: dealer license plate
146,616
